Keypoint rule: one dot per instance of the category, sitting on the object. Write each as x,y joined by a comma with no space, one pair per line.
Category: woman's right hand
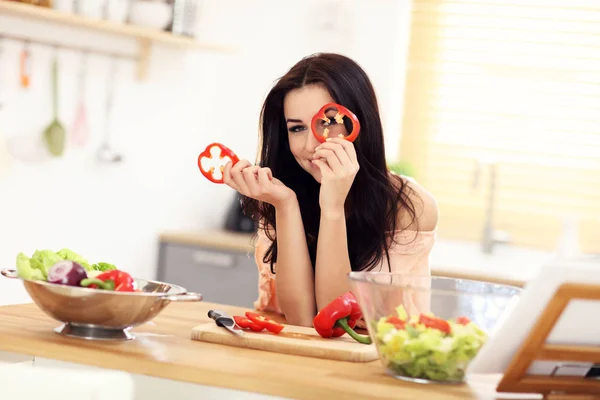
257,182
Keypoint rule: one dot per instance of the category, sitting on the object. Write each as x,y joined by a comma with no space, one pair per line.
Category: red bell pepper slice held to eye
324,121
213,159
265,322
339,317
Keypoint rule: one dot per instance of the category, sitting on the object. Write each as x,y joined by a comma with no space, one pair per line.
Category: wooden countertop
244,242
164,349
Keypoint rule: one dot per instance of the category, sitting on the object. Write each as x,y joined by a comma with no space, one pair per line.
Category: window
515,84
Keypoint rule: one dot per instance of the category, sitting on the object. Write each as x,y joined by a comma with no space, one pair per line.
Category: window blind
516,84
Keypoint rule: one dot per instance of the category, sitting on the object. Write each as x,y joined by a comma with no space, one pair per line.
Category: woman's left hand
336,158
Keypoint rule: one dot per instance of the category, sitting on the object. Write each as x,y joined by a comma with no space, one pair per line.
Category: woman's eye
297,128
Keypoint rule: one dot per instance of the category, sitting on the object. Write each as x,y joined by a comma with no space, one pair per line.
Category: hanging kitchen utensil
4,154
25,66
106,153
54,135
80,130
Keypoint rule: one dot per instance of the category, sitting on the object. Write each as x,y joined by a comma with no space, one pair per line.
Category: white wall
115,212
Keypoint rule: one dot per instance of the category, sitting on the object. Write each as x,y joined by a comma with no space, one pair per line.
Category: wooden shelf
145,36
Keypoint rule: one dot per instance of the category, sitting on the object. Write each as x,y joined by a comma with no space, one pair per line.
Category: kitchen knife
224,320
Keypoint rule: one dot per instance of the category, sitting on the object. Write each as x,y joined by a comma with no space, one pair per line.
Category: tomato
463,320
397,322
265,322
435,323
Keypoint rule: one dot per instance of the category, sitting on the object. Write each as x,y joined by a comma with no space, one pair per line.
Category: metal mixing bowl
101,314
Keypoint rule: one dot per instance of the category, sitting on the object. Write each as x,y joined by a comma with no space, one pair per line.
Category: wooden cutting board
297,340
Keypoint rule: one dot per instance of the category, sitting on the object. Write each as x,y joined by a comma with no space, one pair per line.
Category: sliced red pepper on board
116,280
435,323
213,159
339,317
329,122
265,322
463,320
246,323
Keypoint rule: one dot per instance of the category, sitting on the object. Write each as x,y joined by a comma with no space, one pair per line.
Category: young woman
325,209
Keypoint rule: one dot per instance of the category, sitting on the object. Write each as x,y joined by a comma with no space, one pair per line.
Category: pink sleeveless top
410,258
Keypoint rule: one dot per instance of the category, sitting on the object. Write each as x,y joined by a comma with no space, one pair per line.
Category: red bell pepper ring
213,159
265,322
115,280
339,317
246,323
321,116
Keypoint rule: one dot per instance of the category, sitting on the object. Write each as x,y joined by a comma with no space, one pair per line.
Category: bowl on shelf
428,329
102,314
155,14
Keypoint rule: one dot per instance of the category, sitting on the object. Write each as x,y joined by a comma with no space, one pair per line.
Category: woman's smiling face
299,106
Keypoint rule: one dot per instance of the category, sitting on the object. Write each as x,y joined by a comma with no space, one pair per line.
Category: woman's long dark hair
374,200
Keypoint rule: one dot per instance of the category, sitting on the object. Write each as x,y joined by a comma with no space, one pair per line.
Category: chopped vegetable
264,322
435,323
38,266
246,323
339,317
427,347
27,271
116,280
67,254
102,266
67,273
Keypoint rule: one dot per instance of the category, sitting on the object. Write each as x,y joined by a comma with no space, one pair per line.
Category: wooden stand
534,348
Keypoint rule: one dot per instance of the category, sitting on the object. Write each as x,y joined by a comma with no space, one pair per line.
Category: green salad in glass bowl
428,329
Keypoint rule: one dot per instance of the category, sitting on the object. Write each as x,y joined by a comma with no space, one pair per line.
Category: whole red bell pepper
116,280
339,317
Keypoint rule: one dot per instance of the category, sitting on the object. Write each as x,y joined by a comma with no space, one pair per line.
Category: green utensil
54,135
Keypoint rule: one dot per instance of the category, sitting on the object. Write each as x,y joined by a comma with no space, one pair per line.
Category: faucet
490,236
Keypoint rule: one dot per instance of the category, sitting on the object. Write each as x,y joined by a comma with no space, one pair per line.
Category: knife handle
212,314
216,316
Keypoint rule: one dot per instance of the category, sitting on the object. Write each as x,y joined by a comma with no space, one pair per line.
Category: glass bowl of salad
428,329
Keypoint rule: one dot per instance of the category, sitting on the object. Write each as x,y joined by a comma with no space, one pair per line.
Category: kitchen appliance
236,220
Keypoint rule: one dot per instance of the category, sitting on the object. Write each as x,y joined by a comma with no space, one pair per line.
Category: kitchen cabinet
218,264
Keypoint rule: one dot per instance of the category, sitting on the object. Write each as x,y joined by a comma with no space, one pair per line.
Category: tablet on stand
549,342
